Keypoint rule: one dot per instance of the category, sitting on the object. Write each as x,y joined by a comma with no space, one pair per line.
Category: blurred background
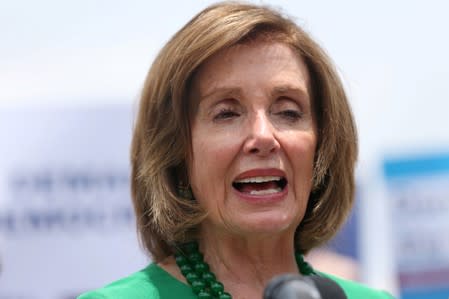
70,77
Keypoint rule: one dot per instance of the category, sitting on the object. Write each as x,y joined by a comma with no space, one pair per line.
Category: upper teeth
259,179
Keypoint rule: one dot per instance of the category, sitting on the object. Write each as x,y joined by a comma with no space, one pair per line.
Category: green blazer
155,283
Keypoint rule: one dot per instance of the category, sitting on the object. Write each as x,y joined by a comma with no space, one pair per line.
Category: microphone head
328,288
293,286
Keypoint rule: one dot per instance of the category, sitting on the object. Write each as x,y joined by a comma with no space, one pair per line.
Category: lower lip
267,198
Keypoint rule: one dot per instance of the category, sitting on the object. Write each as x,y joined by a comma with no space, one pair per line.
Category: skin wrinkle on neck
246,266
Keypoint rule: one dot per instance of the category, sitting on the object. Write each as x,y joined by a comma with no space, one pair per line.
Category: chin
269,223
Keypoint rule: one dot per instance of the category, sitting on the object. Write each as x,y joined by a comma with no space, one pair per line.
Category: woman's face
253,139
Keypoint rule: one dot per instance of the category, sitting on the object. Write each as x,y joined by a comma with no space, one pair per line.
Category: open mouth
261,185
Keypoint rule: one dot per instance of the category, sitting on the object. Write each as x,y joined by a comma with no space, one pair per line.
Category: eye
290,114
225,113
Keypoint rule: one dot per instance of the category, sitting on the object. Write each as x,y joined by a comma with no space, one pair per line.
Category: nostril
254,151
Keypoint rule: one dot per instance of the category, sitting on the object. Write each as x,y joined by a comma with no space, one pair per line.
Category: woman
242,158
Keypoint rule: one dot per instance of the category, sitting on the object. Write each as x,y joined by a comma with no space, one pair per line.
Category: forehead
271,64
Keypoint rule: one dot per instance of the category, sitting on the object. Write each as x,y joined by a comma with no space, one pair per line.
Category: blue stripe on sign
426,293
416,166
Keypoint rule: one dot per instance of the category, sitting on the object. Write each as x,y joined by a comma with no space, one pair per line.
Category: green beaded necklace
203,282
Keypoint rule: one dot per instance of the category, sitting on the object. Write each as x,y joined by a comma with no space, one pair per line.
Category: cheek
212,158
302,155
210,170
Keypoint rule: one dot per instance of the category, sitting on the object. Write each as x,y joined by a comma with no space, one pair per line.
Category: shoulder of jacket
357,290
136,286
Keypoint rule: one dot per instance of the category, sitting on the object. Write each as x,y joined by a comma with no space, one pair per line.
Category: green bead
191,276
299,258
197,286
201,267
208,277
195,257
303,266
181,260
203,282
191,247
216,287
307,269
185,269
204,295
225,295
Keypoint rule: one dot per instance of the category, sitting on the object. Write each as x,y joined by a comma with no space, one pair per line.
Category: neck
245,265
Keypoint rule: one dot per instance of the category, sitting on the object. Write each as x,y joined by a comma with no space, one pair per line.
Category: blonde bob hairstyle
161,144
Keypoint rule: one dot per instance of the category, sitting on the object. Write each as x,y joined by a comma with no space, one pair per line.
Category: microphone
293,286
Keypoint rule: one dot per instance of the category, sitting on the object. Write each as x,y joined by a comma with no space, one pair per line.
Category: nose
261,138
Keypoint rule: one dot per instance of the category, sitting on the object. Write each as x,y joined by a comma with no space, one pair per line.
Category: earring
185,191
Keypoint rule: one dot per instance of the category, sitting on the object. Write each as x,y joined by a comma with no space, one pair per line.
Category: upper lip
260,172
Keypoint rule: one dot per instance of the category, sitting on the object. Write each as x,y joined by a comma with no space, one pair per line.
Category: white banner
66,221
